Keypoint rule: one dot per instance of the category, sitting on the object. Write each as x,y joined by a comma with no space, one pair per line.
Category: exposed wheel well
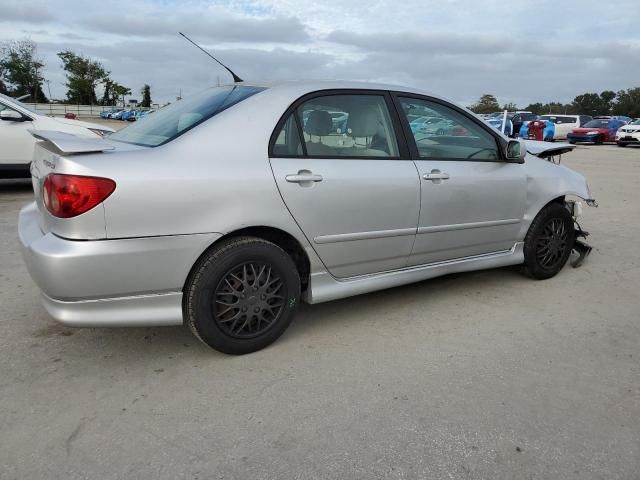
281,238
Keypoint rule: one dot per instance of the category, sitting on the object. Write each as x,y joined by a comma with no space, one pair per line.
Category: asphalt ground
486,375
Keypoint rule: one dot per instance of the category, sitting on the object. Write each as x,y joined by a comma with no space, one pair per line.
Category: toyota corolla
226,209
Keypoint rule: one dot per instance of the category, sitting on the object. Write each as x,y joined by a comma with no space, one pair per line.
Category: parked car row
125,115
573,128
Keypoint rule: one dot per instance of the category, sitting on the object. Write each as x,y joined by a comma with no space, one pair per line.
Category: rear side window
172,121
339,126
559,119
288,142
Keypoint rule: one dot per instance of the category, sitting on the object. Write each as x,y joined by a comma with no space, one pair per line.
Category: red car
596,131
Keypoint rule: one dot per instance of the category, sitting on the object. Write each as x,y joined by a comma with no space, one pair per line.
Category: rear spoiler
547,149
68,143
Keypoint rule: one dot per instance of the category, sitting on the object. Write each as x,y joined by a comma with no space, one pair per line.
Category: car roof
301,87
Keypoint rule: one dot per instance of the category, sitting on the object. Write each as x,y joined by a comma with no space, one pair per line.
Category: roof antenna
236,78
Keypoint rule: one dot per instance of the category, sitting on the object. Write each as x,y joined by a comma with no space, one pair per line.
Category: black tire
572,142
622,144
599,140
549,242
440,132
230,284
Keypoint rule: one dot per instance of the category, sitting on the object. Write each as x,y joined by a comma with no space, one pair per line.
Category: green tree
146,96
628,103
535,108
511,107
83,75
594,104
21,70
487,104
106,95
606,98
119,92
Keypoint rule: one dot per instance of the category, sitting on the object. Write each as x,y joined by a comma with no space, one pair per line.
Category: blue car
108,113
547,134
128,115
496,122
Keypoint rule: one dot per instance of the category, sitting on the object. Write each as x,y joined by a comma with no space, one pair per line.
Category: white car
565,124
629,134
16,119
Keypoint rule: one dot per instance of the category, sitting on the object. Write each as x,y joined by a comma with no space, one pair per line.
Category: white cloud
520,51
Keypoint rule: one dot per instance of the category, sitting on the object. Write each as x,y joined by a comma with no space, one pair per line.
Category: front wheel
549,242
242,295
622,144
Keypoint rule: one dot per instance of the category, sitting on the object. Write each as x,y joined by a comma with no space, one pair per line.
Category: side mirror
11,116
516,151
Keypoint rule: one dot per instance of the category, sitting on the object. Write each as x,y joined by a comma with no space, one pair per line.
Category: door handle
436,175
303,177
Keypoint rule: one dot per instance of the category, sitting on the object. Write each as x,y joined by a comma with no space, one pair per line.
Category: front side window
347,126
172,121
448,134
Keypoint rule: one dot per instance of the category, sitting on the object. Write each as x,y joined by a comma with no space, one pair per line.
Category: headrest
319,123
363,121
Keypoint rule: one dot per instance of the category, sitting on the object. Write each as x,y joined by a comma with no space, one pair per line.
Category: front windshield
635,122
597,124
174,120
9,101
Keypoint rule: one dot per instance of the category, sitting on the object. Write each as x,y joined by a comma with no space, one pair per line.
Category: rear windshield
174,120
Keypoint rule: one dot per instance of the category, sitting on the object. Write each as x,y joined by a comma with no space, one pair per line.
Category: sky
521,51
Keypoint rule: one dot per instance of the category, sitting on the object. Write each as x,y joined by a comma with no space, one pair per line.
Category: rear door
473,202
343,169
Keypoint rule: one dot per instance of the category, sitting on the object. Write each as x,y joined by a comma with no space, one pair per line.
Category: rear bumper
136,311
123,282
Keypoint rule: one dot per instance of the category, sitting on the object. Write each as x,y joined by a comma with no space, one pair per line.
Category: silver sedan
225,210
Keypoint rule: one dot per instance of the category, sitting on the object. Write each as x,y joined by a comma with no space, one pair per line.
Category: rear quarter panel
214,178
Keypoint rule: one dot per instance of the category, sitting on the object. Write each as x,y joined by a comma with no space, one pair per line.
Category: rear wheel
622,144
242,295
549,242
599,140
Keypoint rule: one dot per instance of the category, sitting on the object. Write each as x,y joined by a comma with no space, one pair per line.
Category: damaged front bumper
581,249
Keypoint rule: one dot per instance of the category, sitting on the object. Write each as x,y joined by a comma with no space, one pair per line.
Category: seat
363,126
318,125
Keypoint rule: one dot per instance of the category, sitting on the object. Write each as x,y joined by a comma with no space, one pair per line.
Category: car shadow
15,185
150,343
312,318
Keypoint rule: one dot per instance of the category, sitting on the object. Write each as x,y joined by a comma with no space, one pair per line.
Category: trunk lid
63,153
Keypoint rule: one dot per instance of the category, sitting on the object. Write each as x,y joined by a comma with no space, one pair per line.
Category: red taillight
67,196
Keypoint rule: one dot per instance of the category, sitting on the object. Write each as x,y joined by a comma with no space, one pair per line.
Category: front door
347,181
473,202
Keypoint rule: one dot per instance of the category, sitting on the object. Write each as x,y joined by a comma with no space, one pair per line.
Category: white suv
629,134
565,124
16,119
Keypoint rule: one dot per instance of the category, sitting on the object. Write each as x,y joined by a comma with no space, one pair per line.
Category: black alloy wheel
248,300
